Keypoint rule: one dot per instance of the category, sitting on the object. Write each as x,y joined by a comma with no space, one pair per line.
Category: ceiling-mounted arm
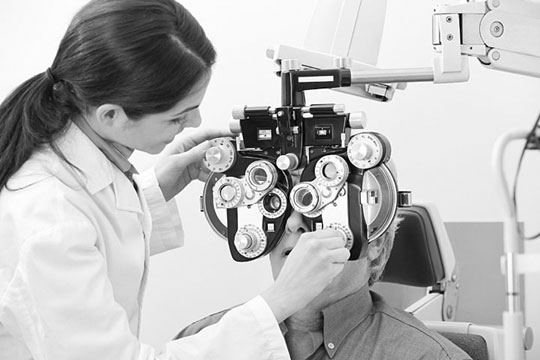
502,34
344,34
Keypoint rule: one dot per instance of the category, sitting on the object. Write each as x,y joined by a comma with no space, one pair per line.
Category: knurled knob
287,162
358,120
238,112
235,127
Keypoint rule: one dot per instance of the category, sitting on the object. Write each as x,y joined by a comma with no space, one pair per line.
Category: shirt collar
341,317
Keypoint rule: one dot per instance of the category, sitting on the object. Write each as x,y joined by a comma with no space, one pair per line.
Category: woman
77,223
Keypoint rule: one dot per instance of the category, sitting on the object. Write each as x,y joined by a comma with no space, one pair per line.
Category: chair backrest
480,342
416,258
474,345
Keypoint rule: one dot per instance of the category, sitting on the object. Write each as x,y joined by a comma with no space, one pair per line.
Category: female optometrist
77,223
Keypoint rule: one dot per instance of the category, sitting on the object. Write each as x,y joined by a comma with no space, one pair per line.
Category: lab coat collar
97,171
108,148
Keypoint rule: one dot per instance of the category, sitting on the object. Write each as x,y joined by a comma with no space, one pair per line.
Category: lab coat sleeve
234,337
167,232
61,286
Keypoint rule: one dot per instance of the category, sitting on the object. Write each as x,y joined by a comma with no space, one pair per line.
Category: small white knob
238,112
343,63
288,65
358,120
234,126
287,162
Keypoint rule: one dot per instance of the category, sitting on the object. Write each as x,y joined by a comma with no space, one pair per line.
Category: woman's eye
178,120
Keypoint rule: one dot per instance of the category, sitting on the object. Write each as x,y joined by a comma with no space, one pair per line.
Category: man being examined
347,320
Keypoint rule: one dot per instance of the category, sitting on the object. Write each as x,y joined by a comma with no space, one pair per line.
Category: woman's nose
194,119
296,224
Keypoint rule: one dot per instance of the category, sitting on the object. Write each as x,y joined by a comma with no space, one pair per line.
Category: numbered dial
345,232
332,170
228,193
221,156
250,241
367,150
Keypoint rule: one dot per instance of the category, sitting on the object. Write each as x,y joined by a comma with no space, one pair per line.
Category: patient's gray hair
385,242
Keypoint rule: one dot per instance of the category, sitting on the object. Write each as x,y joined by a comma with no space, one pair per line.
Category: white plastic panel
348,28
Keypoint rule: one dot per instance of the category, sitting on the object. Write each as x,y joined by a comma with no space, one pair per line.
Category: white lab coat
73,266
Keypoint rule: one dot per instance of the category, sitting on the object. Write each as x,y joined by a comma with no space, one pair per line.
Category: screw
449,311
496,29
496,3
450,37
448,19
496,55
280,113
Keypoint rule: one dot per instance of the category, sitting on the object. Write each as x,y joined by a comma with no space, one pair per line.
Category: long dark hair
142,55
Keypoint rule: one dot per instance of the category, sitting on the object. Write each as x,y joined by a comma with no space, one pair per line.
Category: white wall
442,135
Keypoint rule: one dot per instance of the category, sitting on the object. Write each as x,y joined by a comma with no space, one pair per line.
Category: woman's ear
111,116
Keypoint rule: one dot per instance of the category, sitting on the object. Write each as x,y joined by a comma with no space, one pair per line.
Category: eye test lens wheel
261,175
274,204
304,198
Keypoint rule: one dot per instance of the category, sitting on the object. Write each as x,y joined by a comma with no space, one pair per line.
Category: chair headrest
416,258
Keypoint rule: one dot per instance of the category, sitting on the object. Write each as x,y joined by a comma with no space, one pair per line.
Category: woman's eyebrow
186,110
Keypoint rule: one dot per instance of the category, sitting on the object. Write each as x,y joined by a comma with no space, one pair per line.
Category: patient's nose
296,224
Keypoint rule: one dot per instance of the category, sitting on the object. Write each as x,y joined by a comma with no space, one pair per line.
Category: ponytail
30,117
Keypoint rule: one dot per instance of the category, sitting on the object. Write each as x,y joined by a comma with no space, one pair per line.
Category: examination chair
423,257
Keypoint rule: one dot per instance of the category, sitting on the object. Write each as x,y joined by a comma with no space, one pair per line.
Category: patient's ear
375,248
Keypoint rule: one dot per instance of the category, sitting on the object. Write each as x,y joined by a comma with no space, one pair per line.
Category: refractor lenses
309,198
231,192
304,198
274,204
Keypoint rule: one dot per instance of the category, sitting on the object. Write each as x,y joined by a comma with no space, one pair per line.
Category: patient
347,320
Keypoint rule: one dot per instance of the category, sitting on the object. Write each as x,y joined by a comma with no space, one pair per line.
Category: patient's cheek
276,262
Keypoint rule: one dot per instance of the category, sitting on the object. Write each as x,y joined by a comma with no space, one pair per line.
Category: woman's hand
315,261
181,161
